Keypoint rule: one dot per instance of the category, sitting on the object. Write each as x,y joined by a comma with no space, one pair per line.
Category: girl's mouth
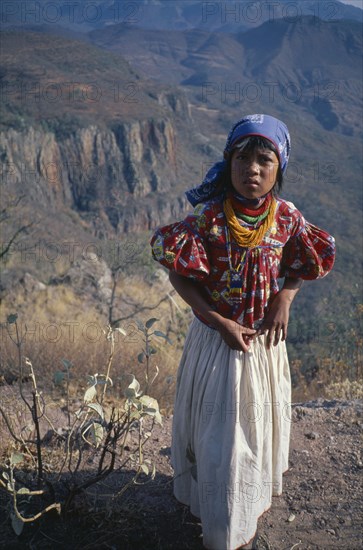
253,183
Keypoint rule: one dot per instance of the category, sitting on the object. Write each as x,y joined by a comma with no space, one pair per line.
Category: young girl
231,424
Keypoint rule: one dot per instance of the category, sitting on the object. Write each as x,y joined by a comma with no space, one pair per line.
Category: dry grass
59,324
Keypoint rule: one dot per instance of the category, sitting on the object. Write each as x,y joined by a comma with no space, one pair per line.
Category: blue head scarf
251,125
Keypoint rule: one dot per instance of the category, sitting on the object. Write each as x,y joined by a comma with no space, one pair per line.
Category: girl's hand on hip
276,320
235,336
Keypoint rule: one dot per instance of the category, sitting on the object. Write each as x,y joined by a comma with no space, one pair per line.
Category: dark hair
249,144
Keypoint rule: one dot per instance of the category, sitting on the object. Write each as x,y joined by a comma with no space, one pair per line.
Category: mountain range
308,63
229,16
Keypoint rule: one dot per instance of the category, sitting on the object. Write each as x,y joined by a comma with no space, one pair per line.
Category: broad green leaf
151,407
12,318
130,393
58,377
90,394
158,418
109,381
140,325
133,389
149,323
152,351
16,458
67,363
95,434
140,357
135,415
91,380
23,491
78,413
148,401
150,411
162,335
136,403
6,476
17,524
96,407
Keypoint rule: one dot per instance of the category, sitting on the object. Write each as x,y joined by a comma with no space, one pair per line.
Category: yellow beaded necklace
244,237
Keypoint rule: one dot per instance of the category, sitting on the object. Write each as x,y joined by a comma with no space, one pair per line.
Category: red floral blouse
199,247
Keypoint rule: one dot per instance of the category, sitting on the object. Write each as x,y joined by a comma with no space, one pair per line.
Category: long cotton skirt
231,432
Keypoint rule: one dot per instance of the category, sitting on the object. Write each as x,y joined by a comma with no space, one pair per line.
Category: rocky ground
320,508
322,502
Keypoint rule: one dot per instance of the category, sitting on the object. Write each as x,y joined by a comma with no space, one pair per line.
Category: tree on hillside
7,215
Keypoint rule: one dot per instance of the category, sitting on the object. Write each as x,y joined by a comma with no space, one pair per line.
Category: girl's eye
262,159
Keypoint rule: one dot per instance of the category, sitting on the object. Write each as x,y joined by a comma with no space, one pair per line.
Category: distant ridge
228,16
307,64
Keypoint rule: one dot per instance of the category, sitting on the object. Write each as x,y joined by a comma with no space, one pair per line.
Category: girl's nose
253,167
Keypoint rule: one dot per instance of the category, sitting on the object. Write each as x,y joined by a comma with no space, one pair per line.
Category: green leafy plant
86,432
148,350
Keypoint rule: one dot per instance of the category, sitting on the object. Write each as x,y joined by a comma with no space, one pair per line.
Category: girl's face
253,173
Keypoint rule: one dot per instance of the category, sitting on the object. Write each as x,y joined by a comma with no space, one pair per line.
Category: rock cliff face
102,172
91,163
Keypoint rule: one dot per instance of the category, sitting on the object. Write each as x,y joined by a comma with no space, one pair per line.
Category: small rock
331,532
291,518
311,435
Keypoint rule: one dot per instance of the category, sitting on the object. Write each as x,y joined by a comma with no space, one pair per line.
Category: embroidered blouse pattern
239,282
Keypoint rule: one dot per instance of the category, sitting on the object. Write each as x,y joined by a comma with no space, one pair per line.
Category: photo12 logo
68,332
78,13
68,92
252,92
255,13
112,251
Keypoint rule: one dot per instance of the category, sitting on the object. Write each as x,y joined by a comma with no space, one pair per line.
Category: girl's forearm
235,336
290,288
192,294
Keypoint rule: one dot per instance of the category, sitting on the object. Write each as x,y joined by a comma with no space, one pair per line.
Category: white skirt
231,432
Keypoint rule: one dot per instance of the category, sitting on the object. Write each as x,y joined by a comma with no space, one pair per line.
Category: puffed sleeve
183,247
309,253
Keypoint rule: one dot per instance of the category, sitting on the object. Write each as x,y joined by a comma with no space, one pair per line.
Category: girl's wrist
213,318
286,295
